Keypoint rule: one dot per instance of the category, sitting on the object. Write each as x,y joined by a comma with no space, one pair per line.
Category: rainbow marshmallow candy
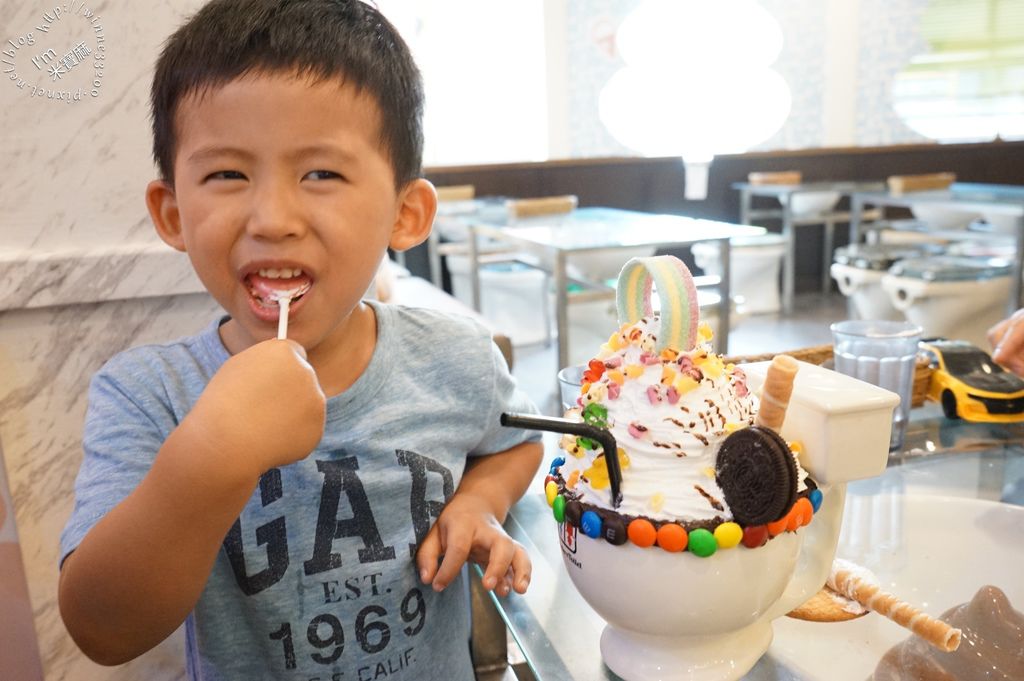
678,295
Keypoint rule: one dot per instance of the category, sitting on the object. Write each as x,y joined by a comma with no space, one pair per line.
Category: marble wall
82,274
47,356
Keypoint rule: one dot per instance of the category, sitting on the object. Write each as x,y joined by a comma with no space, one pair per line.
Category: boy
289,500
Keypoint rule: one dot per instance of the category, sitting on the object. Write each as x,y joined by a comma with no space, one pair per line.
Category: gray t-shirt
317,578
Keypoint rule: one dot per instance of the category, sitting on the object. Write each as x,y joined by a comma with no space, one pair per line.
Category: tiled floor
808,325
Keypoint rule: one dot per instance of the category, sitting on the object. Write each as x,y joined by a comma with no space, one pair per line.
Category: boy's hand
467,529
263,408
1007,337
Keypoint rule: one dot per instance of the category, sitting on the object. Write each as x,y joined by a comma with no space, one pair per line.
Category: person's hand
1007,337
467,529
263,408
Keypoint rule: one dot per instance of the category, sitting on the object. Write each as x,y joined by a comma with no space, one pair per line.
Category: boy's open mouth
268,285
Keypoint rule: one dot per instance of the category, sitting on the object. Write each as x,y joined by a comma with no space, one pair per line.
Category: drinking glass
884,353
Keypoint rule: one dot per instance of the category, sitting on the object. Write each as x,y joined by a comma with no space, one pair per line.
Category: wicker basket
822,354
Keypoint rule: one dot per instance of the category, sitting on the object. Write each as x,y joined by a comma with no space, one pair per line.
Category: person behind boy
290,500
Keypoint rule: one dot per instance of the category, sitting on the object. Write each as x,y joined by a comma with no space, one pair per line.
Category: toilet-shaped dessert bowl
707,614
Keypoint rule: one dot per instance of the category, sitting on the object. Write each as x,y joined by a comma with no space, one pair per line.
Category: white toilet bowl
755,263
858,270
949,296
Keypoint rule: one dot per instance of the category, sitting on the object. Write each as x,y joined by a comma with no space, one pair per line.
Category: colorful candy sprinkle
728,535
573,512
702,543
614,530
672,537
595,369
551,491
754,537
816,497
558,507
779,526
642,533
802,513
590,523
558,462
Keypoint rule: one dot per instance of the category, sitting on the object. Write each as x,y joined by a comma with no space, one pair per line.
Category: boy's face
281,183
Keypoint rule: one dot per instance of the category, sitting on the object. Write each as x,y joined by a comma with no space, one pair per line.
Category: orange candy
779,526
642,533
672,537
801,514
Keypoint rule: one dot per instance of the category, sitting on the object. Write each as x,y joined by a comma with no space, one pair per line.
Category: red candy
595,371
754,537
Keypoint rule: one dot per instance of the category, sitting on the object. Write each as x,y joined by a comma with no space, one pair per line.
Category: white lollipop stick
282,320
284,299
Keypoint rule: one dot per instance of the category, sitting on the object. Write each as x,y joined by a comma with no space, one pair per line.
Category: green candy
586,443
596,415
702,543
558,508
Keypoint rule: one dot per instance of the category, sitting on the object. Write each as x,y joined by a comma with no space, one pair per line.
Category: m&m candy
590,523
642,533
702,543
728,535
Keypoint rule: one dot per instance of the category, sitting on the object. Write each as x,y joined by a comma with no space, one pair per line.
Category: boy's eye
323,175
225,175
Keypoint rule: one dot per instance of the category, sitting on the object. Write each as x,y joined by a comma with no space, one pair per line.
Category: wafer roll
775,393
936,632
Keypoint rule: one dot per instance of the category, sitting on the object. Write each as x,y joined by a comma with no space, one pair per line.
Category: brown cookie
827,606
757,473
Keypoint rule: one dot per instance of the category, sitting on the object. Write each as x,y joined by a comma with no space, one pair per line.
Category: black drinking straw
556,425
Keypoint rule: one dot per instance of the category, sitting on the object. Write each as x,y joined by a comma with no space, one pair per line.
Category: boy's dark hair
323,39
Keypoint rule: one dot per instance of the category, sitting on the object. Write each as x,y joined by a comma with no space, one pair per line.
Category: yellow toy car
969,385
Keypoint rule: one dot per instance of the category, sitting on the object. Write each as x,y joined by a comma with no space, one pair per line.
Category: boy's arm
469,527
139,571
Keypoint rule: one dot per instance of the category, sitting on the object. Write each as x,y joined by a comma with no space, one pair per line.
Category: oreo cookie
757,474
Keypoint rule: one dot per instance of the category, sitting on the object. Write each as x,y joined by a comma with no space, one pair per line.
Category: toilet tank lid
881,257
952,268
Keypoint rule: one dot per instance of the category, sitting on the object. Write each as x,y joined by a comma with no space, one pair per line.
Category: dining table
944,519
548,242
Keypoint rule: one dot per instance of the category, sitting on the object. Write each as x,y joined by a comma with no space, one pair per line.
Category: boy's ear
417,205
163,210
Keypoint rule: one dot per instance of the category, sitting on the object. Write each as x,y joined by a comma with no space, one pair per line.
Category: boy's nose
275,215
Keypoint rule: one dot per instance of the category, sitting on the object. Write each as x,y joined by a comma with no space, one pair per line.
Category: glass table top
943,520
995,198
590,229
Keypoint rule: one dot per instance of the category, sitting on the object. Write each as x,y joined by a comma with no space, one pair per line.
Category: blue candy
556,464
590,523
815,496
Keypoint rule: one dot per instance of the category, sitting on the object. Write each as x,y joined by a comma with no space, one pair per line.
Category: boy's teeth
284,273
